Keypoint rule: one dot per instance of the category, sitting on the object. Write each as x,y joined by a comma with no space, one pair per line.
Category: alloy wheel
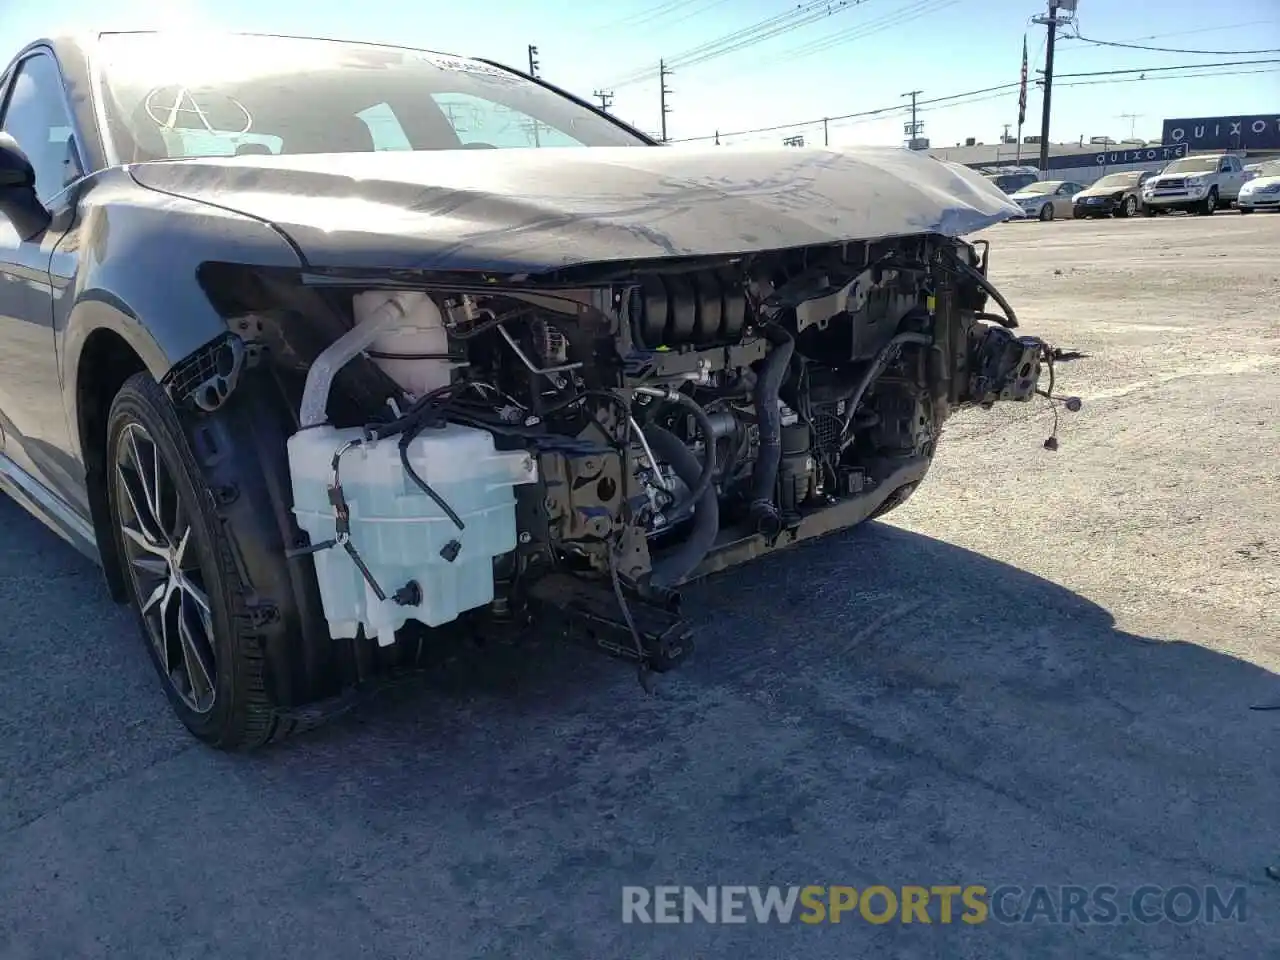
1130,206
158,545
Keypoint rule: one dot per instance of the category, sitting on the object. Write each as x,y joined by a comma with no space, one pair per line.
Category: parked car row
1200,185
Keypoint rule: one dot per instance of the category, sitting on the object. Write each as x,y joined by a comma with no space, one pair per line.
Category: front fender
134,256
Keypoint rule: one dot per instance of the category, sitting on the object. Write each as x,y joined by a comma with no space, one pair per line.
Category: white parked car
1262,192
1046,199
1195,184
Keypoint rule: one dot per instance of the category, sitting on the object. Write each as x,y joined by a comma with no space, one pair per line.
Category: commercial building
1083,162
1252,137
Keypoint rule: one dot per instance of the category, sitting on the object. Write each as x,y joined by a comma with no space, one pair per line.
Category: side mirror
18,200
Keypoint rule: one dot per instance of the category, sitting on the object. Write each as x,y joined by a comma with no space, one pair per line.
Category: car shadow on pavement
875,708
879,707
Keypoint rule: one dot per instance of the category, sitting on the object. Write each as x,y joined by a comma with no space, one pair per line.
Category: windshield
167,98
1193,165
1008,182
1041,186
1118,180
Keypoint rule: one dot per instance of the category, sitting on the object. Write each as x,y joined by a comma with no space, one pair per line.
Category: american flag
1022,90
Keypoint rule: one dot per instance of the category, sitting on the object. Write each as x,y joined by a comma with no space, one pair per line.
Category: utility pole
826,138
1005,138
663,73
913,128
606,99
1133,121
1051,25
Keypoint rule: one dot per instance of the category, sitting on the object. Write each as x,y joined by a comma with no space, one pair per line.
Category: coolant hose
764,478
672,568
315,392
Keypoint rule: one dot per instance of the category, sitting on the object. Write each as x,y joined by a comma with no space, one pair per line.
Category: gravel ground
1037,672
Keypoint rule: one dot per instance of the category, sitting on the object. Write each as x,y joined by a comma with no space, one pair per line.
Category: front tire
180,573
1209,204
1128,208
1046,213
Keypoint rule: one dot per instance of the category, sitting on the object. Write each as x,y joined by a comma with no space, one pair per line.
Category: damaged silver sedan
348,346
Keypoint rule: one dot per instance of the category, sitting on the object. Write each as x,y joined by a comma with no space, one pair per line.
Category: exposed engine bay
585,442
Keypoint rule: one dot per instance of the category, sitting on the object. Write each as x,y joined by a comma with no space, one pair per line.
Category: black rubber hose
702,483
773,372
877,366
673,567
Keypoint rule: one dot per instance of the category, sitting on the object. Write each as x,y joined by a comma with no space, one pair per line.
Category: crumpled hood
1096,191
530,211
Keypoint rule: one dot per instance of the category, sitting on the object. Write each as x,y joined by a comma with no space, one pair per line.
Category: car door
34,111
1231,178
1062,206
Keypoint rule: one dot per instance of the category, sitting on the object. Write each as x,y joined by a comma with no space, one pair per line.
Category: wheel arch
104,341
136,303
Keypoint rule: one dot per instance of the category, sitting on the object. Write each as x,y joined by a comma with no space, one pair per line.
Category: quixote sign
1225,133
1104,158
1112,158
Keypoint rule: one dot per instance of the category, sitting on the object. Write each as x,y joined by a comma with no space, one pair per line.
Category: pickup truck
1196,184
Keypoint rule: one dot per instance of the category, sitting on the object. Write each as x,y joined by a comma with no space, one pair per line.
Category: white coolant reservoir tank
400,533
406,351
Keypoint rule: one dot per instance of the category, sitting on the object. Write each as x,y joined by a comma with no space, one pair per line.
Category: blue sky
856,58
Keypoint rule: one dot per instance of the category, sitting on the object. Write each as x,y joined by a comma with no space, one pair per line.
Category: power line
766,29
695,12
1181,66
1185,76
991,93
913,11
1136,46
656,12
878,112
1197,30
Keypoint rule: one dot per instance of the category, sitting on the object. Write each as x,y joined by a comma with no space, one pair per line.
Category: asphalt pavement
1037,673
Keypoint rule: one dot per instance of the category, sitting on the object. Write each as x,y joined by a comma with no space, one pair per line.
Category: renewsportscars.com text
937,904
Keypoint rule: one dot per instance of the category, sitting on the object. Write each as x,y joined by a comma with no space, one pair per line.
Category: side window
480,121
1225,165
36,117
